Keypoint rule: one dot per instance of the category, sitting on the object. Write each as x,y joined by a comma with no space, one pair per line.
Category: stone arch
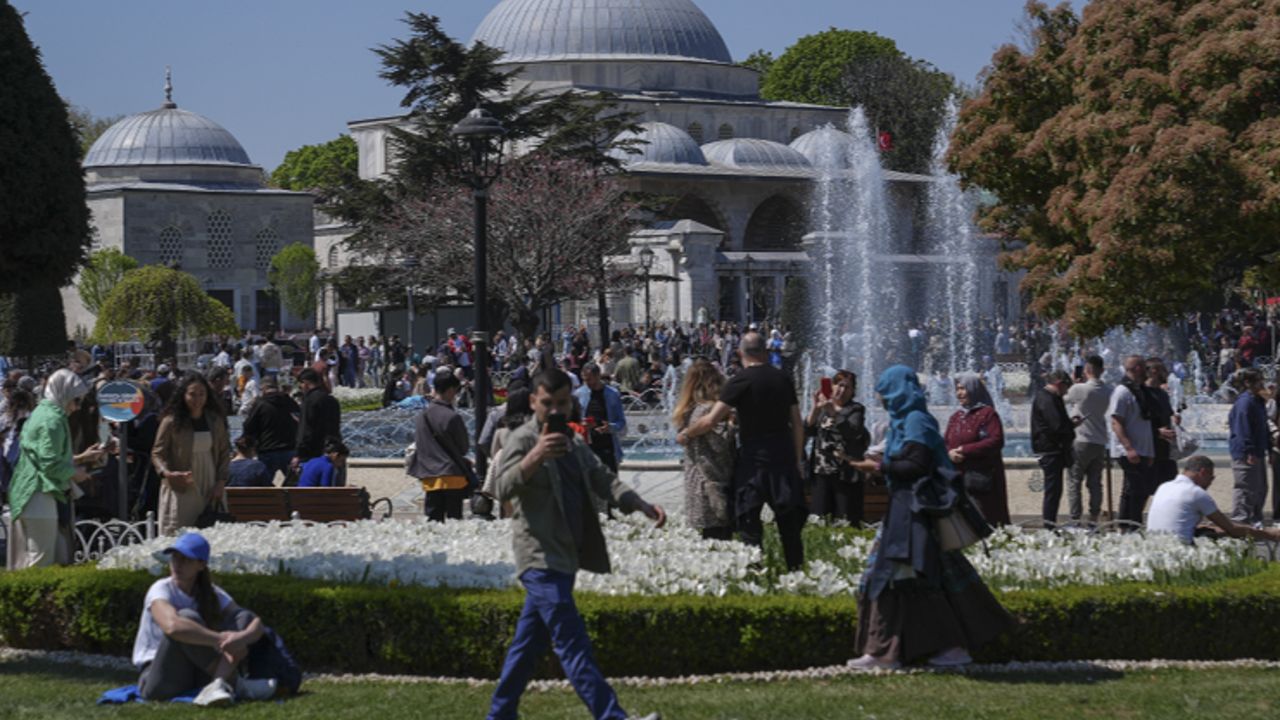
725,132
695,208
695,131
332,260
776,224
795,134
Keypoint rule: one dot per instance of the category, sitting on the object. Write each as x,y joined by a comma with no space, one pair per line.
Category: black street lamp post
646,264
410,264
479,136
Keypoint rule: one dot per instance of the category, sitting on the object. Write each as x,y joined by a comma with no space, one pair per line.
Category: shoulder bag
473,483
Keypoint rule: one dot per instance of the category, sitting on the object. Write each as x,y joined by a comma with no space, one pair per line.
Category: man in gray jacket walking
440,448
548,477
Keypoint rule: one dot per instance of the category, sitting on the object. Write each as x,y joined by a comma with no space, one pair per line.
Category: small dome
662,143
168,136
825,147
753,152
541,30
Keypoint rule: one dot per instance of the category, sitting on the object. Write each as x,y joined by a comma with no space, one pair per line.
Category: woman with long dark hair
192,454
193,635
917,600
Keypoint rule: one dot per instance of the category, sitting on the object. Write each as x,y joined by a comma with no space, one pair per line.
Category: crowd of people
549,456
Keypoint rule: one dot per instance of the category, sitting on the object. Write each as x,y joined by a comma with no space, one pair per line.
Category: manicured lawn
37,689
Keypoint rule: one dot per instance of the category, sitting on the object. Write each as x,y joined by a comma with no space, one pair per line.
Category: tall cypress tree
44,222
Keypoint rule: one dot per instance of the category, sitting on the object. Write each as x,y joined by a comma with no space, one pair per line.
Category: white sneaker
216,694
870,663
249,689
953,657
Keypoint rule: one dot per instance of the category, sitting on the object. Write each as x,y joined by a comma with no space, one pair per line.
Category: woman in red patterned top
975,439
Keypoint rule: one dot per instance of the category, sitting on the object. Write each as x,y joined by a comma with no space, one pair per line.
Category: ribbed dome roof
825,147
534,30
663,143
754,152
168,136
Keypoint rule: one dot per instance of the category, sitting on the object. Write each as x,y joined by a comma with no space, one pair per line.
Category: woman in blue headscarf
917,601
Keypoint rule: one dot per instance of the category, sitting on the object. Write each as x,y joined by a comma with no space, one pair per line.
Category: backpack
9,460
269,658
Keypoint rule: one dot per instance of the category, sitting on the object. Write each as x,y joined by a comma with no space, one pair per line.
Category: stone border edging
113,662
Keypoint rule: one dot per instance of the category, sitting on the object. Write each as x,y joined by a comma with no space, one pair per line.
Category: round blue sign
120,401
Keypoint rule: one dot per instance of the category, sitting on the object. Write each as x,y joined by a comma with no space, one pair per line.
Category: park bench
320,504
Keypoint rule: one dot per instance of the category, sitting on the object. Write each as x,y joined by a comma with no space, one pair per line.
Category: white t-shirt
149,635
1178,506
1125,406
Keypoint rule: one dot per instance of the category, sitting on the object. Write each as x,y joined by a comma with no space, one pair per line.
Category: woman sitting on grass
193,635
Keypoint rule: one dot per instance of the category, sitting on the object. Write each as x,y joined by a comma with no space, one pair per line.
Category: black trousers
1053,465
837,497
1137,488
790,522
440,504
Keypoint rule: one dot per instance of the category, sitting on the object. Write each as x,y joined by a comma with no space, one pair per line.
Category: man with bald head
770,448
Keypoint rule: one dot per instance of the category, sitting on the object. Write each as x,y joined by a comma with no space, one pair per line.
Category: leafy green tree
442,81
1134,155
161,304
813,69
760,61
295,279
44,221
900,95
104,270
32,323
319,168
87,126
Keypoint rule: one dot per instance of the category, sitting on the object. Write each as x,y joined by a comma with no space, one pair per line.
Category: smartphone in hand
557,423
828,390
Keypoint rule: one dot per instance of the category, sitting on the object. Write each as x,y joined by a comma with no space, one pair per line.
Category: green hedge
358,628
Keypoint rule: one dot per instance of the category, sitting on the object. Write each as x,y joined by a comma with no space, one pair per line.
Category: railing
94,538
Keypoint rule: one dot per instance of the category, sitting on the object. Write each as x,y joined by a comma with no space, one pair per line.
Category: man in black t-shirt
770,448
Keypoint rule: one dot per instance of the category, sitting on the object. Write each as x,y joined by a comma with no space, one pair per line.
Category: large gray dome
753,152
659,143
539,30
826,147
168,136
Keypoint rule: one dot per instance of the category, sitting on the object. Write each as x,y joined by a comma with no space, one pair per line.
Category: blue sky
283,73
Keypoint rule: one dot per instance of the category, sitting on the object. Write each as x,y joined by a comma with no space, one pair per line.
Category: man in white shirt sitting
1182,503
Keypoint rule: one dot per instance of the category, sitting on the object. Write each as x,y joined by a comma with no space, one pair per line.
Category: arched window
692,207
266,246
221,244
171,245
795,133
777,224
726,132
695,132
333,256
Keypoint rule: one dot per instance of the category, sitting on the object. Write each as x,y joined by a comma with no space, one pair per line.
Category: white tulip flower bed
646,561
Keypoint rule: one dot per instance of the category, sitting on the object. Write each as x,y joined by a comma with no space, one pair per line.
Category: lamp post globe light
409,264
646,264
478,140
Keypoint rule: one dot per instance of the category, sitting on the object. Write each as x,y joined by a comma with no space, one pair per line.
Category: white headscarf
63,387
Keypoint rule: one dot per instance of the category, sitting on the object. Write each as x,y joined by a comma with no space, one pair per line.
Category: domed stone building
173,187
740,168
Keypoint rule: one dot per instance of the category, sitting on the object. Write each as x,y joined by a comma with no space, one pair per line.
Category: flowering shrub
676,560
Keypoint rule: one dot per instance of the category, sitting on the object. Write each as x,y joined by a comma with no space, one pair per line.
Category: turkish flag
886,142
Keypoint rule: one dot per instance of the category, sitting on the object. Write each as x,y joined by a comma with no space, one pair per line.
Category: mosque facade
173,187
740,168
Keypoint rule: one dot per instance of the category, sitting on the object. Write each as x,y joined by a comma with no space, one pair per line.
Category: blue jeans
550,616
276,460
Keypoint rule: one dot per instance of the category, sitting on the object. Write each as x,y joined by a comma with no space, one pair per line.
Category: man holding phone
548,474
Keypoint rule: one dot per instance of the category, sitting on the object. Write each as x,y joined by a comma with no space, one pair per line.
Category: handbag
976,481
954,532
1185,444
213,513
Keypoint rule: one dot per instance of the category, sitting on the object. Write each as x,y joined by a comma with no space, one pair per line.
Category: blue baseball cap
190,545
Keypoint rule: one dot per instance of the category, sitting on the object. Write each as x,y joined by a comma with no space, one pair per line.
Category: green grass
36,689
